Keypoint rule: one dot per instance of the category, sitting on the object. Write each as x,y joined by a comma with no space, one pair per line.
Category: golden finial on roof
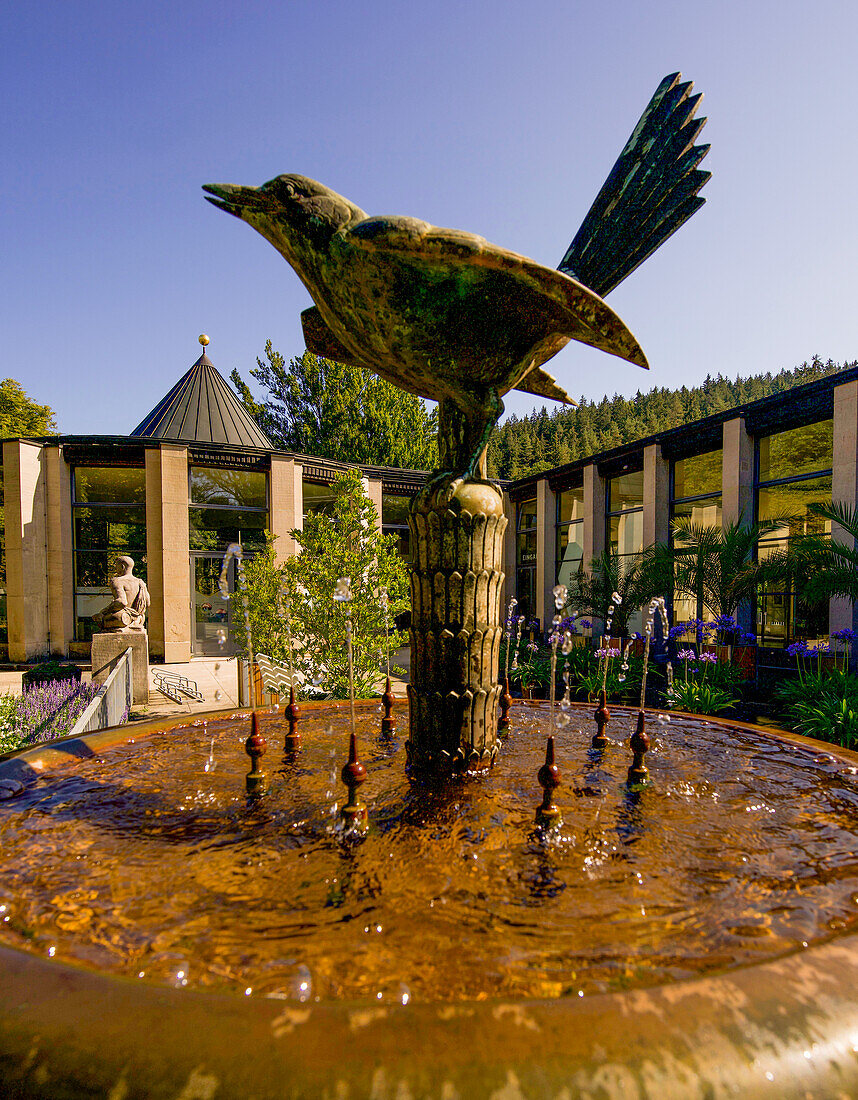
203,339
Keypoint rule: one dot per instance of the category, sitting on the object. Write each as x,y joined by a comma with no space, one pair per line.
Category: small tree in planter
345,543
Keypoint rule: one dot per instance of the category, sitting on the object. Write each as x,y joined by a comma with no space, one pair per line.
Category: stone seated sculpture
126,613
123,625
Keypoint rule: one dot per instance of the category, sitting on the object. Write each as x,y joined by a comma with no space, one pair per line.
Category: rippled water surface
151,862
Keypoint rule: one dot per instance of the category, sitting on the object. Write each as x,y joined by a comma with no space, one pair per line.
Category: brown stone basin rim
780,1029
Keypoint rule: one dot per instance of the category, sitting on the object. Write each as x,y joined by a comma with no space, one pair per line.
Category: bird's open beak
233,198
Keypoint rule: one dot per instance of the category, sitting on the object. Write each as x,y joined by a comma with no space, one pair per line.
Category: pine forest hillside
543,440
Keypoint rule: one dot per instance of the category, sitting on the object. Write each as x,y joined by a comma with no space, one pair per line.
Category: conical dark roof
201,408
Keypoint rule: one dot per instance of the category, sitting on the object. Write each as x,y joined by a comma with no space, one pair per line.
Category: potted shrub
48,671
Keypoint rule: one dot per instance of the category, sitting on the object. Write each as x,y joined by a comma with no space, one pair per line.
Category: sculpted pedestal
107,647
457,530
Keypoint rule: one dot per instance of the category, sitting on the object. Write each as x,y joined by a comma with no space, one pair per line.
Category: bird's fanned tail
650,192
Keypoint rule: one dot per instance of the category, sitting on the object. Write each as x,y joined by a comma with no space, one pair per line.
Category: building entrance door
211,614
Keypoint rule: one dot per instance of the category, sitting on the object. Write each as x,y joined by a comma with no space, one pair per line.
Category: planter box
745,658
36,676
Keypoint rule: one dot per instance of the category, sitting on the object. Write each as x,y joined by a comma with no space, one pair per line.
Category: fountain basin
783,1026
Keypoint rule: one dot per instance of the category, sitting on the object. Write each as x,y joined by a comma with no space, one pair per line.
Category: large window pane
110,527
109,518
704,513
798,451
110,484
228,488
792,499
318,498
698,475
625,533
526,540
625,491
394,521
216,528
570,505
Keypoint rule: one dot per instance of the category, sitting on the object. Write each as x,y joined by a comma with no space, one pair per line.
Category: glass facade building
569,535
108,519
793,471
695,498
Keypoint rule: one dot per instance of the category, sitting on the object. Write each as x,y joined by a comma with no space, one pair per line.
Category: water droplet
218,695
404,994
51,951
622,678
563,720
302,983
248,991
221,637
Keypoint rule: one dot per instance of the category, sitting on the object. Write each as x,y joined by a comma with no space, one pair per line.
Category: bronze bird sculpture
448,316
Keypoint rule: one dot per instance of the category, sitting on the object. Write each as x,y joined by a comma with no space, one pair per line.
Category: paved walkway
216,679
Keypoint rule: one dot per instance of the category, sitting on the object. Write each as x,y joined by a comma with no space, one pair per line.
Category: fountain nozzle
505,703
388,722
292,712
602,716
255,747
548,777
639,743
353,774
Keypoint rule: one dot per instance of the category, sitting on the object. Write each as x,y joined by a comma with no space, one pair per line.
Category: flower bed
42,713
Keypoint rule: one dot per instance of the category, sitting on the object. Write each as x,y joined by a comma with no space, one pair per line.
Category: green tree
714,566
822,565
591,592
346,542
319,407
19,415
264,596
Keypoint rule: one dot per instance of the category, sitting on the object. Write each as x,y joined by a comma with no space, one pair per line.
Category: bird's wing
582,315
319,339
649,193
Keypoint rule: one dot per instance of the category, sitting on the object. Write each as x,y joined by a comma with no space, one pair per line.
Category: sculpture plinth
457,528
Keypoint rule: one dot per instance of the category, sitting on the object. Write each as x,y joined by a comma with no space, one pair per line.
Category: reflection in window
786,486
796,453
624,513
525,558
108,519
227,506
695,498
220,488
394,521
317,498
569,555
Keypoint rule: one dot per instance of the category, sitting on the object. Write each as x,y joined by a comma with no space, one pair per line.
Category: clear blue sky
499,117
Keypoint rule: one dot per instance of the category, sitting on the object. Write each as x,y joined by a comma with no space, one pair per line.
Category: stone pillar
60,551
457,530
24,485
285,504
167,552
737,473
656,496
737,492
594,523
844,488
373,491
546,517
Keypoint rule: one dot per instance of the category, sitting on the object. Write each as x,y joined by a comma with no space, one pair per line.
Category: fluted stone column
457,531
